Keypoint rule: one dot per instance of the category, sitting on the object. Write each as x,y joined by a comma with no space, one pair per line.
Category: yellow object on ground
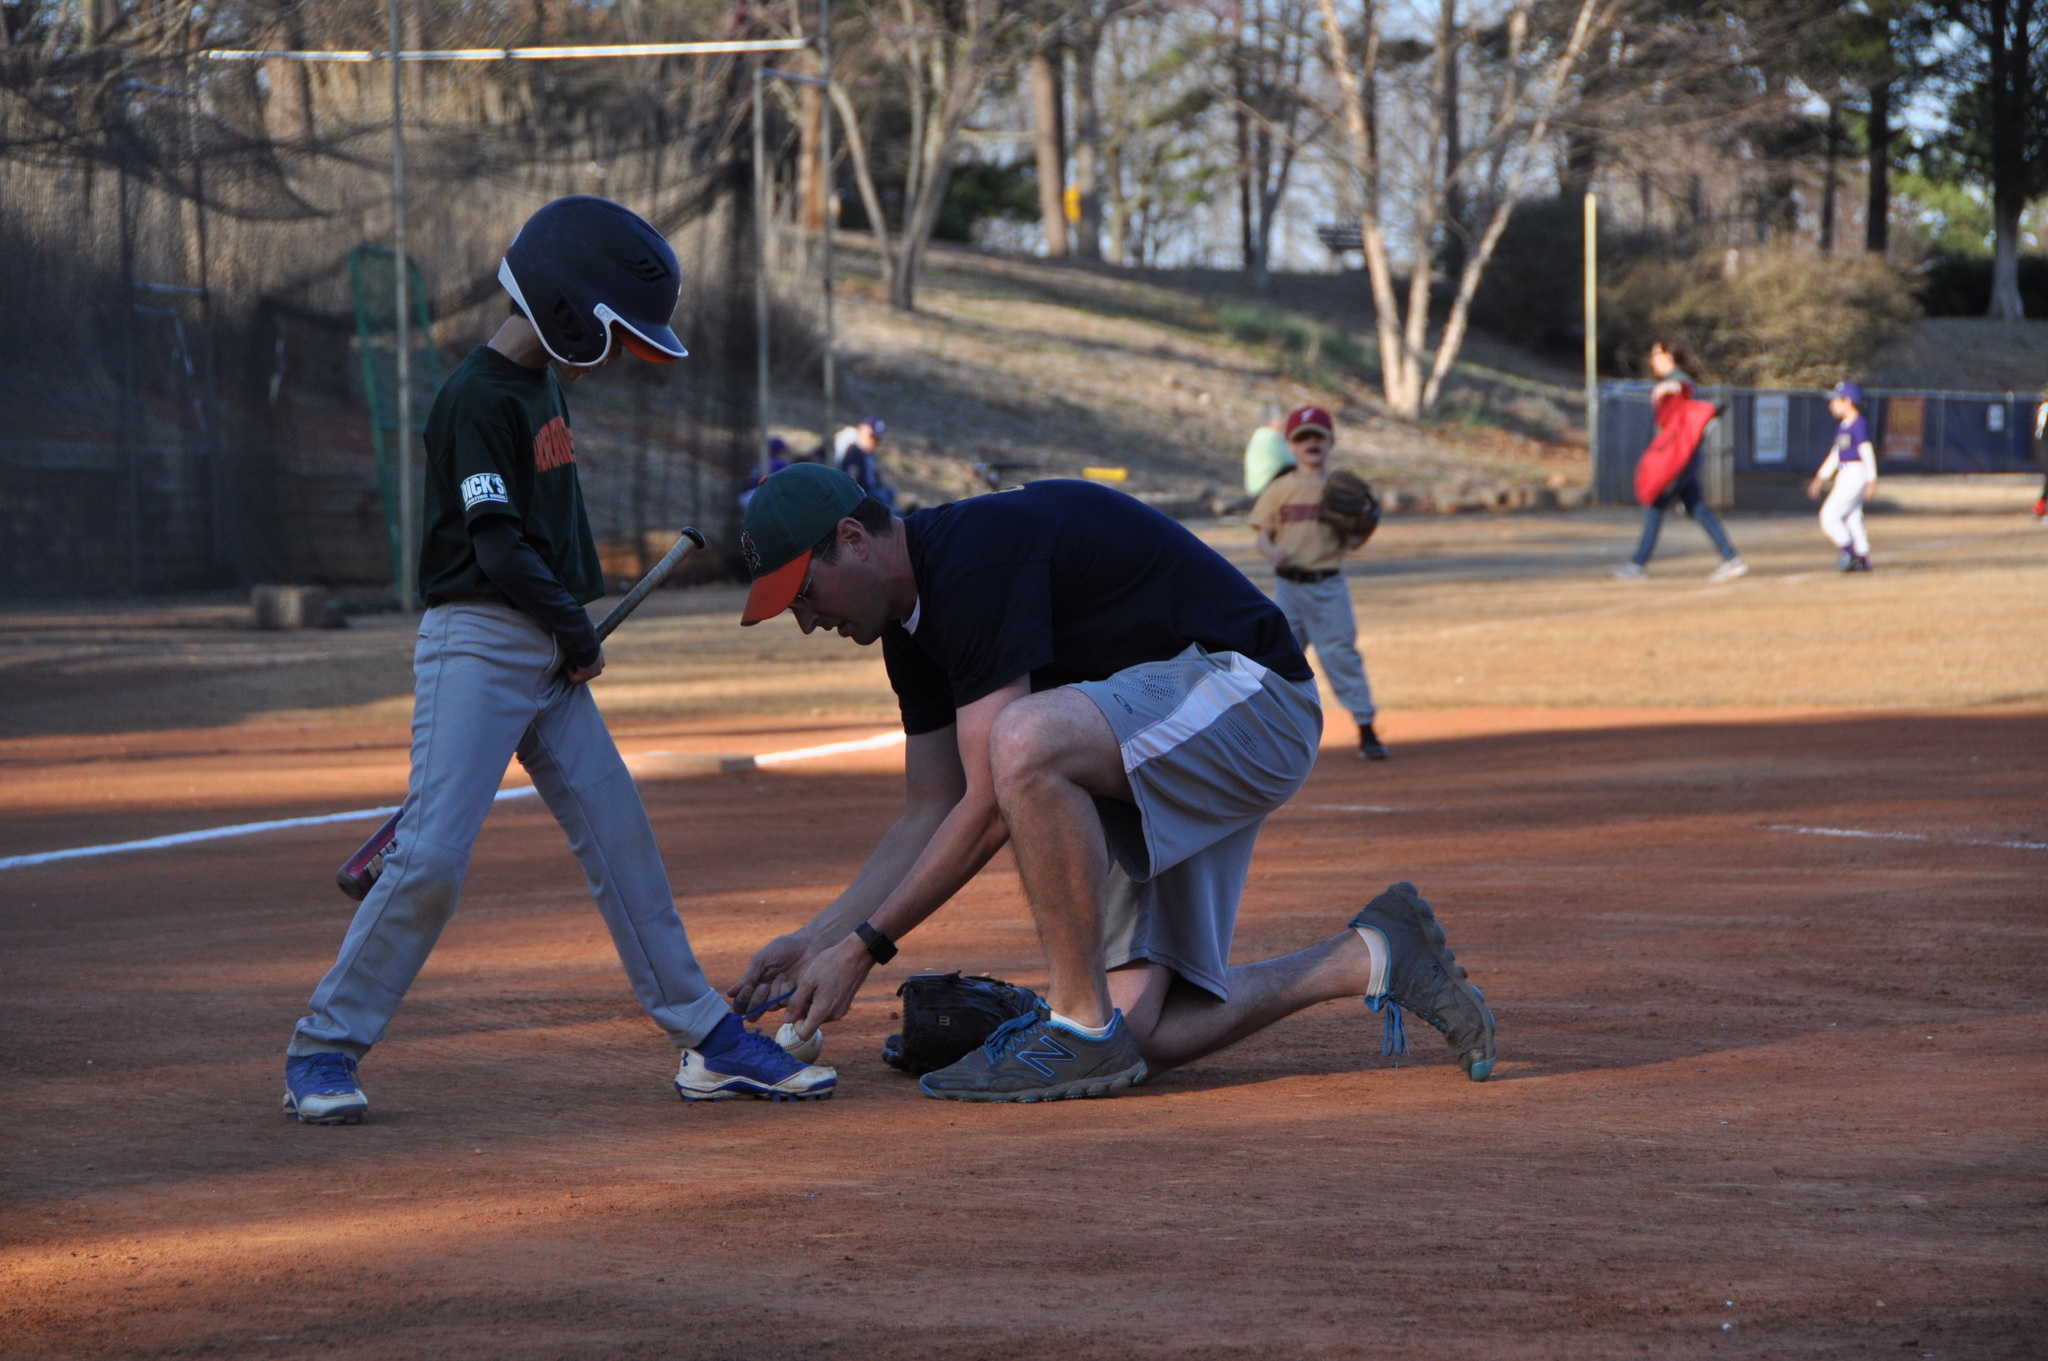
1107,474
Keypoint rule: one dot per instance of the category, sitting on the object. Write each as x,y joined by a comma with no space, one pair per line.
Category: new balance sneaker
1426,978
1632,571
1029,1058
1859,562
320,1089
733,1061
1728,571
1369,745
1845,562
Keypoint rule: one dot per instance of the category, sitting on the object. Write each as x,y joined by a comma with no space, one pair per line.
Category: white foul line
876,743
770,758
1907,836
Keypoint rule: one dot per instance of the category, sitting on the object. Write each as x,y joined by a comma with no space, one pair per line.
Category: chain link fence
185,402
1768,436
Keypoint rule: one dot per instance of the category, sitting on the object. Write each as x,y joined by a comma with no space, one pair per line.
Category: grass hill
1047,367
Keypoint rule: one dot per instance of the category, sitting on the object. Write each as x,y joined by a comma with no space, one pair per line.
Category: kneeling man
1080,676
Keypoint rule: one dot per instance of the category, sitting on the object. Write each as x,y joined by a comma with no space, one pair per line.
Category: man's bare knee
1020,749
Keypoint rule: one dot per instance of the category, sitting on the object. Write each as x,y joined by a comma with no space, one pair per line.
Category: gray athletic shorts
1212,743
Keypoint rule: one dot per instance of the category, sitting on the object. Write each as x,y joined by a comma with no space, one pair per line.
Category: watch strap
880,947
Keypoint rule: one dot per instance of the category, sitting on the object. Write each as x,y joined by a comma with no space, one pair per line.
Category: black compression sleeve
514,568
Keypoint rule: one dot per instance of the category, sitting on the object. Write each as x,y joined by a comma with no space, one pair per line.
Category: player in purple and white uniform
1852,462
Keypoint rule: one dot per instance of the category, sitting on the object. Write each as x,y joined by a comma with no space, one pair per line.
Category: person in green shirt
507,563
1267,455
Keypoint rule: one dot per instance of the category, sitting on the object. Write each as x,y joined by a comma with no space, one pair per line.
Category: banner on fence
1905,428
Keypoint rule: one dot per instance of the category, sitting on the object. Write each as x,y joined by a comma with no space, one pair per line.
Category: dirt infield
1772,985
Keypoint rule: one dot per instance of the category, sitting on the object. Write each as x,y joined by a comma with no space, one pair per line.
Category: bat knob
693,536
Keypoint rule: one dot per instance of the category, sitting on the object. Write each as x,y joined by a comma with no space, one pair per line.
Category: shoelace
329,1072
1008,1036
763,1049
1394,1038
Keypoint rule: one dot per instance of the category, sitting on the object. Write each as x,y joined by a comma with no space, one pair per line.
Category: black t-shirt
1064,581
498,443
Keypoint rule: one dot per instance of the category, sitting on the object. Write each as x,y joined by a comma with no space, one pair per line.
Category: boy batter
506,565
1308,564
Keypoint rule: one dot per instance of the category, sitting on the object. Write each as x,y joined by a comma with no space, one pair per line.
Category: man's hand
826,988
578,675
771,972
1813,490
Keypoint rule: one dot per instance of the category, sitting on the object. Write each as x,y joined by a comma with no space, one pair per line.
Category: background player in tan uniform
1308,562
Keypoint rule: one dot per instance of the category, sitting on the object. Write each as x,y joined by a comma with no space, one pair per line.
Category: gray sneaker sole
1078,1088
754,1093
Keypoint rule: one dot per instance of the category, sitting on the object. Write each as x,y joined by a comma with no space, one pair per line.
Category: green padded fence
374,283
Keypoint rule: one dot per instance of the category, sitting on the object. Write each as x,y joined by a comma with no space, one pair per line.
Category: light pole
760,277
761,74
401,302
1592,267
825,173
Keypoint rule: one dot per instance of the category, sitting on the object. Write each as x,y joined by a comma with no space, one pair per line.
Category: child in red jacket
1669,360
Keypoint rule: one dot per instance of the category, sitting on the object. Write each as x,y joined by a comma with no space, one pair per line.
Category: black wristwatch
880,947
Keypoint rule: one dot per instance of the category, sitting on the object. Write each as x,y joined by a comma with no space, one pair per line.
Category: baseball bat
360,871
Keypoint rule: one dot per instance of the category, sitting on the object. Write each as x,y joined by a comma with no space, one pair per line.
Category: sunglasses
803,594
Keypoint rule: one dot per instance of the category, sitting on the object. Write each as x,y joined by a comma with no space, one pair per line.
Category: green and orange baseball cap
785,518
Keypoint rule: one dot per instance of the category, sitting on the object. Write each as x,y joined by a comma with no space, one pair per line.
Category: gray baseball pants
485,689
1319,612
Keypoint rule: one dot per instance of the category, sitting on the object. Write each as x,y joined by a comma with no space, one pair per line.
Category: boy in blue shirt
1852,462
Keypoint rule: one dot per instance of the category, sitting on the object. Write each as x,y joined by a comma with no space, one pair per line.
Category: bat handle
690,539
354,877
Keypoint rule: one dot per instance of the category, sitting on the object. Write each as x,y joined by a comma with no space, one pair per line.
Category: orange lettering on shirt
553,446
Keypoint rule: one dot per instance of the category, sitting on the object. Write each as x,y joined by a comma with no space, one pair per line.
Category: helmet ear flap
567,322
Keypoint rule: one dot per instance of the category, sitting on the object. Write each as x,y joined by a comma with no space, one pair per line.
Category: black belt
1305,578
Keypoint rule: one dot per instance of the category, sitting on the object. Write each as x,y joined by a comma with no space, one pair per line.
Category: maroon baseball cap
1310,418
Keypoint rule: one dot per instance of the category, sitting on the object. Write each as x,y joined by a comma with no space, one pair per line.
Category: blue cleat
320,1089
1426,978
733,1062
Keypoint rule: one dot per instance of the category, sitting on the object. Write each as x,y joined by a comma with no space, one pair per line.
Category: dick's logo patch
481,488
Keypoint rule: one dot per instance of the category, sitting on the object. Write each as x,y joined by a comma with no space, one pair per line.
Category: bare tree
947,53
1159,85
1411,378
1049,128
1270,49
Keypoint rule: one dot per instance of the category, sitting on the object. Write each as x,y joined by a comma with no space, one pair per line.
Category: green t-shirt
498,443
1265,458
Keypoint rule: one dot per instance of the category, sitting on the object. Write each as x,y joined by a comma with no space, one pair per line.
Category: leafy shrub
1533,290
1960,286
1766,318
979,189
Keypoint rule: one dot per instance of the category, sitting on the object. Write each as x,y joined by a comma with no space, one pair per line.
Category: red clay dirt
1762,1093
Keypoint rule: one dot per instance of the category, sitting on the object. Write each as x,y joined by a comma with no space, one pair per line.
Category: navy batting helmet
582,266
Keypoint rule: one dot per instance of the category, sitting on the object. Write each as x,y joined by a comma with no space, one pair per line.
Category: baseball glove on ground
1349,507
945,1015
